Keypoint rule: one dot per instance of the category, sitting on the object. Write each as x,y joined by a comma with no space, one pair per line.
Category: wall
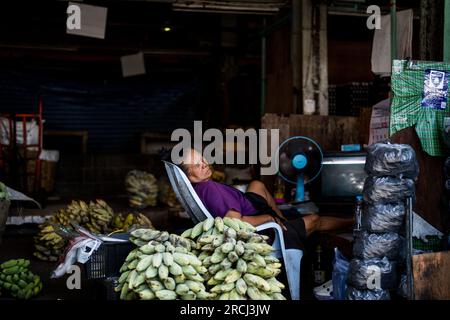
349,47
349,61
100,175
114,115
430,202
279,72
328,131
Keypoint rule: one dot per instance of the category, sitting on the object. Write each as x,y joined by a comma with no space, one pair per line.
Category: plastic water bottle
279,191
358,212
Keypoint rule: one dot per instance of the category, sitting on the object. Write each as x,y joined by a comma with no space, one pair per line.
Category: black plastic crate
107,260
110,284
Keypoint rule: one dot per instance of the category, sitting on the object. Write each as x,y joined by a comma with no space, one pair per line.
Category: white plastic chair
197,211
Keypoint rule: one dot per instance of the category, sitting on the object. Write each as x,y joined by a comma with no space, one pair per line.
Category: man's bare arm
253,220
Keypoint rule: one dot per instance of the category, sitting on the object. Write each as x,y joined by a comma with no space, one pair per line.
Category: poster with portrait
435,92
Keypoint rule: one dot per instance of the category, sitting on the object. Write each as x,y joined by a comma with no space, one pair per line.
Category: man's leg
259,188
315,222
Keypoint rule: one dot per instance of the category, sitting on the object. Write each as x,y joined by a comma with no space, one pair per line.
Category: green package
407,107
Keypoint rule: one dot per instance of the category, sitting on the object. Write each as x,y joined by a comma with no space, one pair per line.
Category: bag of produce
387,189
356,294
392,159
377,245
372,274
383,217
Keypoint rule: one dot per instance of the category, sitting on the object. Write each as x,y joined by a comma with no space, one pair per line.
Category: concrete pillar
323,76
314,56
431,25
296,55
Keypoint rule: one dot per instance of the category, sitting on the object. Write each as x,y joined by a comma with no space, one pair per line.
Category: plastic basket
110,284
107,260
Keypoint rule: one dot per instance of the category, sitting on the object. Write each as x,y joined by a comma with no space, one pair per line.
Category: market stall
225,150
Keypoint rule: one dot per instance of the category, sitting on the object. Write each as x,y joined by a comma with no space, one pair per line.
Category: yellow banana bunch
96,216
100,216
118,222
132,220
48,244
142,189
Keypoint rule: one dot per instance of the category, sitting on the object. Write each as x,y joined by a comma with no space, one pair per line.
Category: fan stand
300,189
302,159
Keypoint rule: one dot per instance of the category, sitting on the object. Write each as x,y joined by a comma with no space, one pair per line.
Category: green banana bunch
232,228
238,261
18,280
162,267
142,237
216,259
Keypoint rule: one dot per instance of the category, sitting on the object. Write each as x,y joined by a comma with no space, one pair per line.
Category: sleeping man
256,206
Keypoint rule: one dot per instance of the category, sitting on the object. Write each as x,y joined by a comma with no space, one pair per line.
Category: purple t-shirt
219,198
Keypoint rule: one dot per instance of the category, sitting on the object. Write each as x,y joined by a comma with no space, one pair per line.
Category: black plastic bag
387,189
356,294
447,185
339,275
402,290
384,159
377,245
383,217
372,274
447,168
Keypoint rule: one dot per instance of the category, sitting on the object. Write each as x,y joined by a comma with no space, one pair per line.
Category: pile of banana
18,280
96,217
166,195
76,211
48,244
163,268
142,189
122,223
238,260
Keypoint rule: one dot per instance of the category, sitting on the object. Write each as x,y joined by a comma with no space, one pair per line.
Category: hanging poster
435,91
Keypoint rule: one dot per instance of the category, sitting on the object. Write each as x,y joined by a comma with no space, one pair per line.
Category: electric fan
300,162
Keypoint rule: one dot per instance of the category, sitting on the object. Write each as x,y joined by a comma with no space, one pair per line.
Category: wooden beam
430,185
393,30
431,280
447,31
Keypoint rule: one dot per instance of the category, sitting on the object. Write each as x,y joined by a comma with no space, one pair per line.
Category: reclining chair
197,211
